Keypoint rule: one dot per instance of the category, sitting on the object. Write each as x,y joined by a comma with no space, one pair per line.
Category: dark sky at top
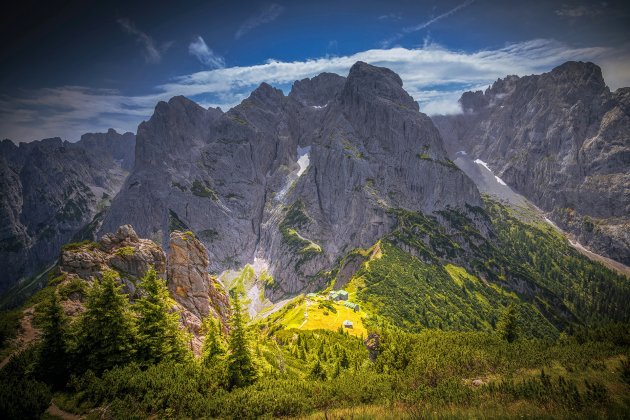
122,55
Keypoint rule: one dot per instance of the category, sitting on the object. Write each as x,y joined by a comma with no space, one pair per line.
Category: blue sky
86,66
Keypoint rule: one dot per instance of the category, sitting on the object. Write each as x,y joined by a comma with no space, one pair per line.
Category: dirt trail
55,411
26,334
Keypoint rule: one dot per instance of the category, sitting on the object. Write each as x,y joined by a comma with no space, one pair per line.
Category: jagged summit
368,82
318,91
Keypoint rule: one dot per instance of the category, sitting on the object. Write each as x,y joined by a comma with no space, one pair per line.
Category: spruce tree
53,356
160,337
241,371
214,343
344,362
317,371
507,327
107,330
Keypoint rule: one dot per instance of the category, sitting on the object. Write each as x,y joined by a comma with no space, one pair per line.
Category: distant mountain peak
366,80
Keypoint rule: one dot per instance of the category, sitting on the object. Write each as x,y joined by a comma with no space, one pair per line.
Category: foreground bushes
437,373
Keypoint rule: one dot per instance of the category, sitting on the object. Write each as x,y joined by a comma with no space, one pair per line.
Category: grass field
322,318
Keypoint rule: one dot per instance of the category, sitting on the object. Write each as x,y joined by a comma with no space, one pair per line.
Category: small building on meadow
311,295
352,305
338,295
347,324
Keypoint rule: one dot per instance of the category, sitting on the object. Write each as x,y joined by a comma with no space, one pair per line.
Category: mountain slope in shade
562,140
493,186
51,189
293,182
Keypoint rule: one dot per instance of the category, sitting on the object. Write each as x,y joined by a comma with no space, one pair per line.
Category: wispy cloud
390,16
204,54
151,52
268,14
581,10
410,29
434,75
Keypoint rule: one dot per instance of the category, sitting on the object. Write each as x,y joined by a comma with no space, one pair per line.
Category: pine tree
241,371
53,356
214,343
337,370
507,327
317,371
159,337
107,330
344,362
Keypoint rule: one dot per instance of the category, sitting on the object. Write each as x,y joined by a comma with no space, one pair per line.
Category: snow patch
319,106
485,165
303,159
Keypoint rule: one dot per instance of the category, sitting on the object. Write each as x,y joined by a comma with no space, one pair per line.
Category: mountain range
292,185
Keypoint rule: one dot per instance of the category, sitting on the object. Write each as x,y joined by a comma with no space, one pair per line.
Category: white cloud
434,75
152,53
205,55
268,14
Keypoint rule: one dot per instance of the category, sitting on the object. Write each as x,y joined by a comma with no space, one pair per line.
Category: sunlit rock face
130,257
562,140
297,181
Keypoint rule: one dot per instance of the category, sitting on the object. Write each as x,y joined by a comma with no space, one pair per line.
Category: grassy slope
322,318
427,275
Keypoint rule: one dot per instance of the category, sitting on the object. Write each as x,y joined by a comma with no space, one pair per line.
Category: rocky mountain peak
370,82
266,96
579,73
119,147
317,91
177,105
473,101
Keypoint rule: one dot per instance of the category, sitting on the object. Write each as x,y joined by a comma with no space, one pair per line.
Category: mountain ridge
560,139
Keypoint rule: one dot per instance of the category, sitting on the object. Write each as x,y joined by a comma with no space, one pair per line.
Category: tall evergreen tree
507,327
160,337
317,371
241,371
214,343
344,362
107,330
53,357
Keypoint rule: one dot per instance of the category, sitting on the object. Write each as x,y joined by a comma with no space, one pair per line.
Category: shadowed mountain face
562,140
51,189
292,182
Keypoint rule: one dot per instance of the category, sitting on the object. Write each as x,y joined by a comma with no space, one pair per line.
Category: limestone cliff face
562,140
51,190
189,281
290,182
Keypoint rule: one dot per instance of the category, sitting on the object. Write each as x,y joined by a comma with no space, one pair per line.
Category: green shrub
203,190
125,251
76,285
